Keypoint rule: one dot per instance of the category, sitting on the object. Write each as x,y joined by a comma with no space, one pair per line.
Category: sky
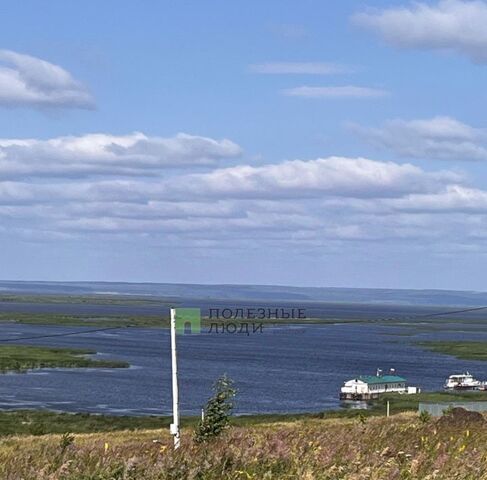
306,143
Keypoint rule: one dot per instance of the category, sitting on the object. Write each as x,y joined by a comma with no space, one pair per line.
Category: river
293,368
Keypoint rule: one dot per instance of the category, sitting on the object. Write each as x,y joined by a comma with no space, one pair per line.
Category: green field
461,350
147,321
84,320
21,358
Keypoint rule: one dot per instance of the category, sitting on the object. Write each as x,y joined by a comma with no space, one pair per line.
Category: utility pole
175,431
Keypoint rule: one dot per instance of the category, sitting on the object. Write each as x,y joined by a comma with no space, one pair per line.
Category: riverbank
42,422
22,358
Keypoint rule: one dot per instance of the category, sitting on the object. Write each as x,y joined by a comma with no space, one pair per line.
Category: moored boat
463,381
370,387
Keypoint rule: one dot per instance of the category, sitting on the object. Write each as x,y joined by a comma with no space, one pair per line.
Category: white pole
175,391
388,408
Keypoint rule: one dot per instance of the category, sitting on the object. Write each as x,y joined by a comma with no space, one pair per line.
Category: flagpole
175,430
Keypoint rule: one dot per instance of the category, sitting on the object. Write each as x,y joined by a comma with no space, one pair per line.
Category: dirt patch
461,418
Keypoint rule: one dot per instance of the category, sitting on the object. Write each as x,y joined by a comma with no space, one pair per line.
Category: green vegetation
410,326
143,321
461,350
87,299
84,320
43,422
20,358
400,447
21,422
38,422
216,417
399,403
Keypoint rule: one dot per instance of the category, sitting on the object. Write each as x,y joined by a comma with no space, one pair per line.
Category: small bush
66,441
424,416
217,411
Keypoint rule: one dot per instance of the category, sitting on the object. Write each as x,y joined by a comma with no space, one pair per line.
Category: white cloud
455,25
443,138
454,199
298,204
30,81
305,68
349,91
337,176
297,179
103,154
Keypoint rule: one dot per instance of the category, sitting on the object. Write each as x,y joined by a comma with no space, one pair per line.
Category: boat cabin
367,387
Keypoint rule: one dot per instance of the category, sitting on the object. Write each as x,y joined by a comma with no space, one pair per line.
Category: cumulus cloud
348,91
30,81
453,199
456,25
299,204
103,154
443,138
304,68
337,176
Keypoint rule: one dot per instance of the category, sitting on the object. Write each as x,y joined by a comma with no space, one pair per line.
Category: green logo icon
188,317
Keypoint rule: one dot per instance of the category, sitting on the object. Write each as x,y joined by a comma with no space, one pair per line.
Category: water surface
291,368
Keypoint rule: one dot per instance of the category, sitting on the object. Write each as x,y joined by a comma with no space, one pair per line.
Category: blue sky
279,142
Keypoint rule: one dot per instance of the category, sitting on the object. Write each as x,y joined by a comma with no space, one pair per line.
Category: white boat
463,381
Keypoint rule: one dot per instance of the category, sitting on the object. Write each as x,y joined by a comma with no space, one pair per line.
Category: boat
370,387
463,381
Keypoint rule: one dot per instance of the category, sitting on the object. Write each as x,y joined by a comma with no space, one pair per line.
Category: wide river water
292,368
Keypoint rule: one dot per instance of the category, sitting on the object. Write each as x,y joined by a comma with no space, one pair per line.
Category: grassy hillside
400,447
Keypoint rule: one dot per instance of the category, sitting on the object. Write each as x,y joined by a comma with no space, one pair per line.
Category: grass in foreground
20,358
461,350
400,447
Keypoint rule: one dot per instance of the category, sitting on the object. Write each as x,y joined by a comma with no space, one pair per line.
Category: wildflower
462,448
242,472
106,447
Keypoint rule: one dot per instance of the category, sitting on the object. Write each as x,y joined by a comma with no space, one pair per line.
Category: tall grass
400,447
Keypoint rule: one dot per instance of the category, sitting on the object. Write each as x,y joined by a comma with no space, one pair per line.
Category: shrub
424,416
217,411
